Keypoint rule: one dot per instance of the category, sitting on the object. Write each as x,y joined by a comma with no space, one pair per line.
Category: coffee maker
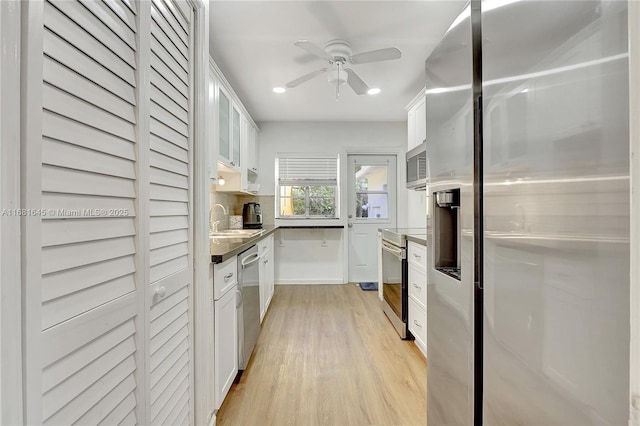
251,216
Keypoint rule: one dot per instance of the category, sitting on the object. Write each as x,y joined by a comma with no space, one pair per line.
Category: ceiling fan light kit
338,53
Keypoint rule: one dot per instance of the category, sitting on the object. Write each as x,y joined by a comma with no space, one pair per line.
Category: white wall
634,110
300,253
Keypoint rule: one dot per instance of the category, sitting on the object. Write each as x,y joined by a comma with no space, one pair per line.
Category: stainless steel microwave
417,167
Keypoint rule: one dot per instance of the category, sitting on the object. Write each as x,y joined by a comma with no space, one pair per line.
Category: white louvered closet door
170,206
89,297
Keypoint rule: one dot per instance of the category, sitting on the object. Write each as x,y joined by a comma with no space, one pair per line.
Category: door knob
350,216
350,225
160,291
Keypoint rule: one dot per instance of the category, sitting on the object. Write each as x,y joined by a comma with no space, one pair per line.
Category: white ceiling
253,44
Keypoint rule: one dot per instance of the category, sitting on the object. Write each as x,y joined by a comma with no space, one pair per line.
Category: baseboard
311,282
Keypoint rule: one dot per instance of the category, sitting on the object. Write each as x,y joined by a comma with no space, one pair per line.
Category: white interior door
169,294
372,205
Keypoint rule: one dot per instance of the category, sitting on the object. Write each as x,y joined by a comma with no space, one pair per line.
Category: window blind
307,170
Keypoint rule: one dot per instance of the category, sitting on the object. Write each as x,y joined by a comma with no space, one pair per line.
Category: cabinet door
235,135
252,150
411,129
420,123
226,344
264,284
224,129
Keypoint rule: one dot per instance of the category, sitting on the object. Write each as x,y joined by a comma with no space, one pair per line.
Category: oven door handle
397,252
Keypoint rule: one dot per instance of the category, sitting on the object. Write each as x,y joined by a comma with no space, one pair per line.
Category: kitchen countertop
225,248
417,235
418,238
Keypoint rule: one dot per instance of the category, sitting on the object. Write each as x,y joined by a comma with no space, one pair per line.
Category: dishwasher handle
396,251
249,260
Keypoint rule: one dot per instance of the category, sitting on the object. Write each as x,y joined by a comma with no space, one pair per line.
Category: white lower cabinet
418,325
267,273
417,278
226,344
225,284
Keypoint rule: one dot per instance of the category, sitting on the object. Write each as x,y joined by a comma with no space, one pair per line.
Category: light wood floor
327,355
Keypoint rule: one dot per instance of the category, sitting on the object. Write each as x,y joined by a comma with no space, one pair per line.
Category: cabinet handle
265,261
417,323
417,256
416,286
233,164
229,275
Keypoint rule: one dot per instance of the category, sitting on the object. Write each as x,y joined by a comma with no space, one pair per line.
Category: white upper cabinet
233,136
224,126
416,121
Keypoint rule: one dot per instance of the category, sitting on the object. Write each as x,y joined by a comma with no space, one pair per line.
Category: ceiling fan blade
356,83
376,56
305,77
313,49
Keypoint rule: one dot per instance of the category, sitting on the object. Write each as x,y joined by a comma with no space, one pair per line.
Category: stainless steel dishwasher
248,305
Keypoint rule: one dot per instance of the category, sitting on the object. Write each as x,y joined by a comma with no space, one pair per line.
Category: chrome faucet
213,226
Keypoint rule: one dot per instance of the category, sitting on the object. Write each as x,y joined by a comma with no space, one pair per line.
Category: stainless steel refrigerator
528,234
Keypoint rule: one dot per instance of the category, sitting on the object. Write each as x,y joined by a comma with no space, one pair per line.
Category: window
307,186
371,194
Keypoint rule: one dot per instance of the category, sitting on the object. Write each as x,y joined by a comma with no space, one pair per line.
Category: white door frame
10,272
202,288
634,113
401,191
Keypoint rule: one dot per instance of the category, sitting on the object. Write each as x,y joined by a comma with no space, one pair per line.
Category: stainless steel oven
394,281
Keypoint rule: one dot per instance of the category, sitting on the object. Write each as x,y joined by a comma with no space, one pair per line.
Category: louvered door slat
168,223
105,14
65,28
169,178
158,82
167,208
71,57
74,304
170,24
174,7
70,156
169,120
120,412
123,12
72,280
100,414
169,105
177,396
173,370
161,161
69,106
75,255
66,205
67,181
94,394
73,132
167,133
70,82
165,73
77,384
169,149
164,239
180,416
101,32
168,193
170,54
70,231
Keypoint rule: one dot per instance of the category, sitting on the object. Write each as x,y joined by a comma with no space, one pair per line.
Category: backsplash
233,204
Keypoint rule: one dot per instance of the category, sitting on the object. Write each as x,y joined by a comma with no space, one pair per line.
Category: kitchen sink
235,233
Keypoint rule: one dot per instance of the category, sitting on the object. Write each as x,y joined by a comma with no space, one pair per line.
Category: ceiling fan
338,54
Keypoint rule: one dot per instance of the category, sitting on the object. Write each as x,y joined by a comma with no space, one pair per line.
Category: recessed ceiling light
373,91
279,89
